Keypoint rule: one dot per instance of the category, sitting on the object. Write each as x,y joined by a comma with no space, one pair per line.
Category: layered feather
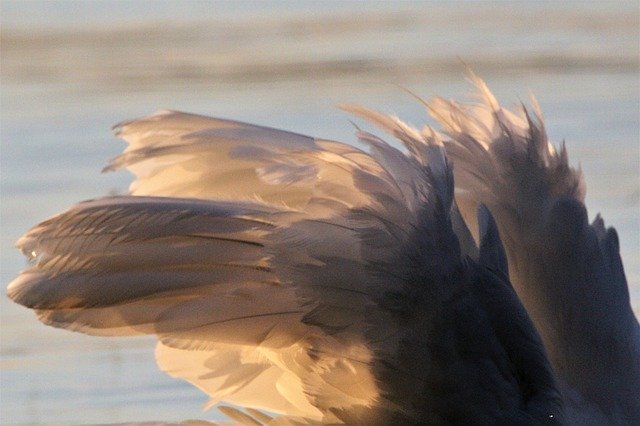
185,155
567,272
296,275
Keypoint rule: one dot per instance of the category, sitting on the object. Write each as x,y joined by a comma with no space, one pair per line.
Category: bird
449,277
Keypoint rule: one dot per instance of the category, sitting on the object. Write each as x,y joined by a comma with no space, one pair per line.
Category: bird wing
567,272
290,274
185,155
264,299
203,277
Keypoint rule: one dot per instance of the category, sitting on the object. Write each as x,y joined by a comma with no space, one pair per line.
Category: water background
70,70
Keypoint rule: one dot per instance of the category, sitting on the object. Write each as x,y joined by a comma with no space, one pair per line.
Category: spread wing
186,155
294,275
567,272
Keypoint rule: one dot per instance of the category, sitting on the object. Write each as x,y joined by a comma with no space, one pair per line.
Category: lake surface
70,70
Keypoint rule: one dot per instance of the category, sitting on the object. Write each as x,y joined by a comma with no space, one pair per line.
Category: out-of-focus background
72,69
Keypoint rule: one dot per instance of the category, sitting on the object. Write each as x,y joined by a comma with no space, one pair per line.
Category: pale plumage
317,281
567,273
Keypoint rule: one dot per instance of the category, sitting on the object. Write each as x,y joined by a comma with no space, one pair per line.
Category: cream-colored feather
295,275
567,273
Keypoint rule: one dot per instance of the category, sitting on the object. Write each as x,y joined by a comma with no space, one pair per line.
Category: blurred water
70,70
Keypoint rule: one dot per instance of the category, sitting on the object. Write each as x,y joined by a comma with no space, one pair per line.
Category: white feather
568,274
306,277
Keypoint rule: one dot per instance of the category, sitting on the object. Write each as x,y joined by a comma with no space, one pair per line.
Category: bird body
322,283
